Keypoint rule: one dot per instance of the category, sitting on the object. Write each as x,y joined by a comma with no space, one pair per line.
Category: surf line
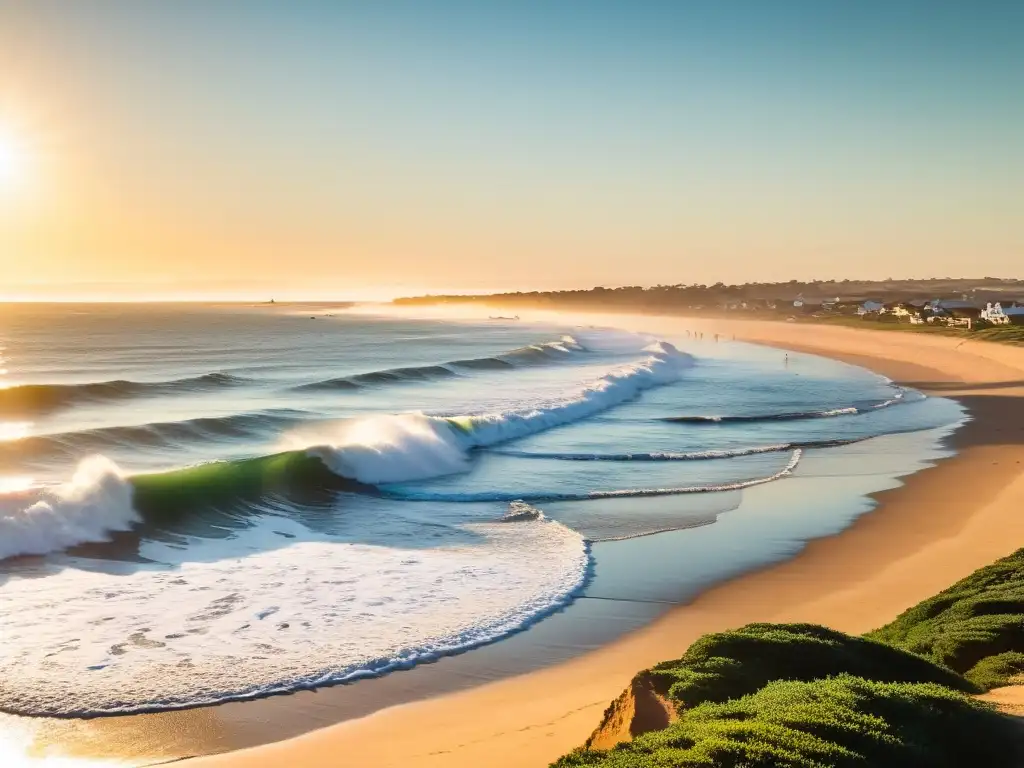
457,498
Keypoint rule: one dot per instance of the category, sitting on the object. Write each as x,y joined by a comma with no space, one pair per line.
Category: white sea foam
247,616
96,502
407,447
391,448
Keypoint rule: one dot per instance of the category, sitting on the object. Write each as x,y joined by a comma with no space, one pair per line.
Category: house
846,308
870,307
968,307
904,311
993,313
801,304
965,315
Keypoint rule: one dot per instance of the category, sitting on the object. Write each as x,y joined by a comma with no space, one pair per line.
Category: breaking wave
96,502
360,454
392,449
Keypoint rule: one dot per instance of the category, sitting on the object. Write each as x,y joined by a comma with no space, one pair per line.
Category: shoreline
918,539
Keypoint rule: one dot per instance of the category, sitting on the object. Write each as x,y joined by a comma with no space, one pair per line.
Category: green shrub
979,617
842,722
727,665
994,671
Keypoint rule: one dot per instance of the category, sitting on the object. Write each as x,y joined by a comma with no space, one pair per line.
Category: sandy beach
938,527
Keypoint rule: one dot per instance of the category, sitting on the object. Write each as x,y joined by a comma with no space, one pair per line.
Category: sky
307,149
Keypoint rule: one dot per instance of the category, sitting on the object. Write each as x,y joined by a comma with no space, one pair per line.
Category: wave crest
31,399
153,435
96,502
402,448
534,354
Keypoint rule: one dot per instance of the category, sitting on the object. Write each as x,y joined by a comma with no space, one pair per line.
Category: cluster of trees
700,296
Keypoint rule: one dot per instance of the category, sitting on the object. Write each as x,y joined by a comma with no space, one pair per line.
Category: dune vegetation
807,696
728,665
840,721
975,627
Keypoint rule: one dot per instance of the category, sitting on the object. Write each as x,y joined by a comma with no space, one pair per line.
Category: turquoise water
200,504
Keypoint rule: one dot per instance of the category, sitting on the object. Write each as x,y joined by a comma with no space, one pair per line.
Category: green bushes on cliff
805,696
727,665
975,627
841,722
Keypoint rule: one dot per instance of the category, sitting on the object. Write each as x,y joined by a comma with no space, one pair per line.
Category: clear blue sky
457,145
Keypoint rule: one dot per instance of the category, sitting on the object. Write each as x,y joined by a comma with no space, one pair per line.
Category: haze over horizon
369,150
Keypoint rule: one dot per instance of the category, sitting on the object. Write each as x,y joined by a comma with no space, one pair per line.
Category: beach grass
807,696
975,627
841,722
728,665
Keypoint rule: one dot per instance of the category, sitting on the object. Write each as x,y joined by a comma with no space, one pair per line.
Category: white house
995,314
905,311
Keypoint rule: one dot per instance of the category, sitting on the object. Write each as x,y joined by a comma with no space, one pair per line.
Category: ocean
209,503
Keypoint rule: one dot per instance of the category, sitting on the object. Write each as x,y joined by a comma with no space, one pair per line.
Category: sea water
209,503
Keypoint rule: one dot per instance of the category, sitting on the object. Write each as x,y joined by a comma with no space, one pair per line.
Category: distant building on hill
871,307
904,310
970,307
999,315
958,312
993,313
805,304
